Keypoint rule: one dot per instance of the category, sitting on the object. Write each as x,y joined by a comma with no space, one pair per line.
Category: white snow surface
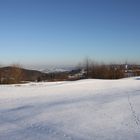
80,110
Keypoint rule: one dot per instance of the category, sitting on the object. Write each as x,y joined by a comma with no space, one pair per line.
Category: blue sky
64,32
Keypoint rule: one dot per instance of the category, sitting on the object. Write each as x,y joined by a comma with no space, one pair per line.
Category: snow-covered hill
80,110
55,70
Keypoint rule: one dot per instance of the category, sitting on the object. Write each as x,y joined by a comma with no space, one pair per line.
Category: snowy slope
55,70
80,110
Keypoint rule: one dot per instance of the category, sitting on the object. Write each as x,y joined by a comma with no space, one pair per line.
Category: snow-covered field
80,110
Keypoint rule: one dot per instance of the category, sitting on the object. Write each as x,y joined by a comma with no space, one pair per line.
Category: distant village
16,74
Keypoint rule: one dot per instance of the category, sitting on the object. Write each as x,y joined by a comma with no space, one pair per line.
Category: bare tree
0,75
87,67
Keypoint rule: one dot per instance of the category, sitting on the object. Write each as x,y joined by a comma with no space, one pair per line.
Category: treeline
109,71
89,69
56,76
103,71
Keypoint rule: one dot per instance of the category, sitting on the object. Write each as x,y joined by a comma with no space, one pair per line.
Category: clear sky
64,32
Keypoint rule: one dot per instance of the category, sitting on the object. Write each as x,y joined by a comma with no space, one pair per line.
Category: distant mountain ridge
55,70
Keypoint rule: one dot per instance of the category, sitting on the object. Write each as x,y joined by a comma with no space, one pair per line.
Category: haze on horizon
59,32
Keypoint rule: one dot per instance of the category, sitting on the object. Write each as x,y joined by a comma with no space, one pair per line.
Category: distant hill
56,70
27,75
15,74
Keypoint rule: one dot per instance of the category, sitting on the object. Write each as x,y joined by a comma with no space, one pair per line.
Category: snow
80,110
55,70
